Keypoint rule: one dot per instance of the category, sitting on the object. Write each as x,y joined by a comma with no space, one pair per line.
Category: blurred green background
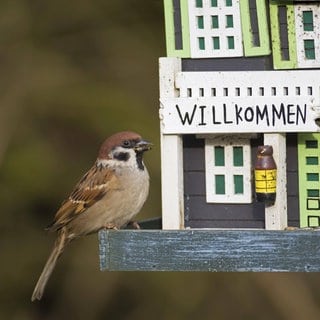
72,73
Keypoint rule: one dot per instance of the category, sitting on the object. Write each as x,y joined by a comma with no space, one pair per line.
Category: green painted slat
309,49
214,3
307,19
199,4
201,43
214,22
210,250
238,156
229,21
230,41
170,29
238,184
311,144
312,161
249,48
200,22
312,176
279,62
313,193
220,184
308,155
218,156
216,43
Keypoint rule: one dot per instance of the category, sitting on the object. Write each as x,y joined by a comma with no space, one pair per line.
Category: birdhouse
239,75
240,138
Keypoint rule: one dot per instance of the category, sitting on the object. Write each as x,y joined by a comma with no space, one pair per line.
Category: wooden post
276,217
171,153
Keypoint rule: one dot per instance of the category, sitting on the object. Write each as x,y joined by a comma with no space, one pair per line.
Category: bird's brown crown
115,140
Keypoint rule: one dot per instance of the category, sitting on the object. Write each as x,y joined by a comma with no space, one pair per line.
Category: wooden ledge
210,250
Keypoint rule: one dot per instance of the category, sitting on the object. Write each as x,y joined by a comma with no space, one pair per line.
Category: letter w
186,117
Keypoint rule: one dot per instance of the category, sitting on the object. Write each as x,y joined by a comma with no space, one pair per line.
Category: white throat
129,159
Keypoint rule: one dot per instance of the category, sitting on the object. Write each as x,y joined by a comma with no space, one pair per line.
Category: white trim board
242,102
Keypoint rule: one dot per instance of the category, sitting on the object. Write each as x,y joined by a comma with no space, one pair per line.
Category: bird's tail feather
57,250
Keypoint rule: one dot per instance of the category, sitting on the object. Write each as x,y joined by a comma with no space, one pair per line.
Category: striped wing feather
94,185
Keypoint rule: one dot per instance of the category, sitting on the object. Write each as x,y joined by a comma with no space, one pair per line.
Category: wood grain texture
210,250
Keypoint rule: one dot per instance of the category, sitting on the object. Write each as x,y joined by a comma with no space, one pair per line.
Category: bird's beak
142,146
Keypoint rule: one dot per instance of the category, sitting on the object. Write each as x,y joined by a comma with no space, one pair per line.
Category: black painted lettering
225,120
290,114
278,114
214,116
249,114
186,118
202,123
238,114
301,114
262,114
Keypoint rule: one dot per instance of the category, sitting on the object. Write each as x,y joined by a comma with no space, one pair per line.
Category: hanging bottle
265,175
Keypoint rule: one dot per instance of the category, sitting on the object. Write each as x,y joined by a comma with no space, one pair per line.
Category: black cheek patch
122,156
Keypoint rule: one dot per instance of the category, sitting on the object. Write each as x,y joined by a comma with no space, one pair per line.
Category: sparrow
108,196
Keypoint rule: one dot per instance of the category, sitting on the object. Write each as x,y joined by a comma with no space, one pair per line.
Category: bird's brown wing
94,185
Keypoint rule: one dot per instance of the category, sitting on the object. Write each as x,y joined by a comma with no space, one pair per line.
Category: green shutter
200,22
229,21
238,184
199,4
311,144
216,43
219,156
313,193
201,43
214,3
312,160
214,22
230,40
220,184
238,156
309,49
307,18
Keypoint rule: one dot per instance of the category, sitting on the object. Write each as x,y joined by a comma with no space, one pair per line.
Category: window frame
229,170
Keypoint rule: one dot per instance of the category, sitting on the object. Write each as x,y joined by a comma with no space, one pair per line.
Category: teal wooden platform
210,250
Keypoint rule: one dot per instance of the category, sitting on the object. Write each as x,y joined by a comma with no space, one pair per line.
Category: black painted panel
227,64
200,214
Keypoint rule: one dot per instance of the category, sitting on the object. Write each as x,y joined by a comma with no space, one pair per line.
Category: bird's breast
118,207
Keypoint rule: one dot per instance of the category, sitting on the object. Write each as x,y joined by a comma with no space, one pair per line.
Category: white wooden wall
276,216
171,154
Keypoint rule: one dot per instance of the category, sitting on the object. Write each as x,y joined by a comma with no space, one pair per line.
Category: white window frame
302,35
228,170
223,32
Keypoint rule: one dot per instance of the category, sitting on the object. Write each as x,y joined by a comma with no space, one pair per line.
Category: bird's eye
126,144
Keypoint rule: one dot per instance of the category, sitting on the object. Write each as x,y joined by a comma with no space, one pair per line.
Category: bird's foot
134,225
110,226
